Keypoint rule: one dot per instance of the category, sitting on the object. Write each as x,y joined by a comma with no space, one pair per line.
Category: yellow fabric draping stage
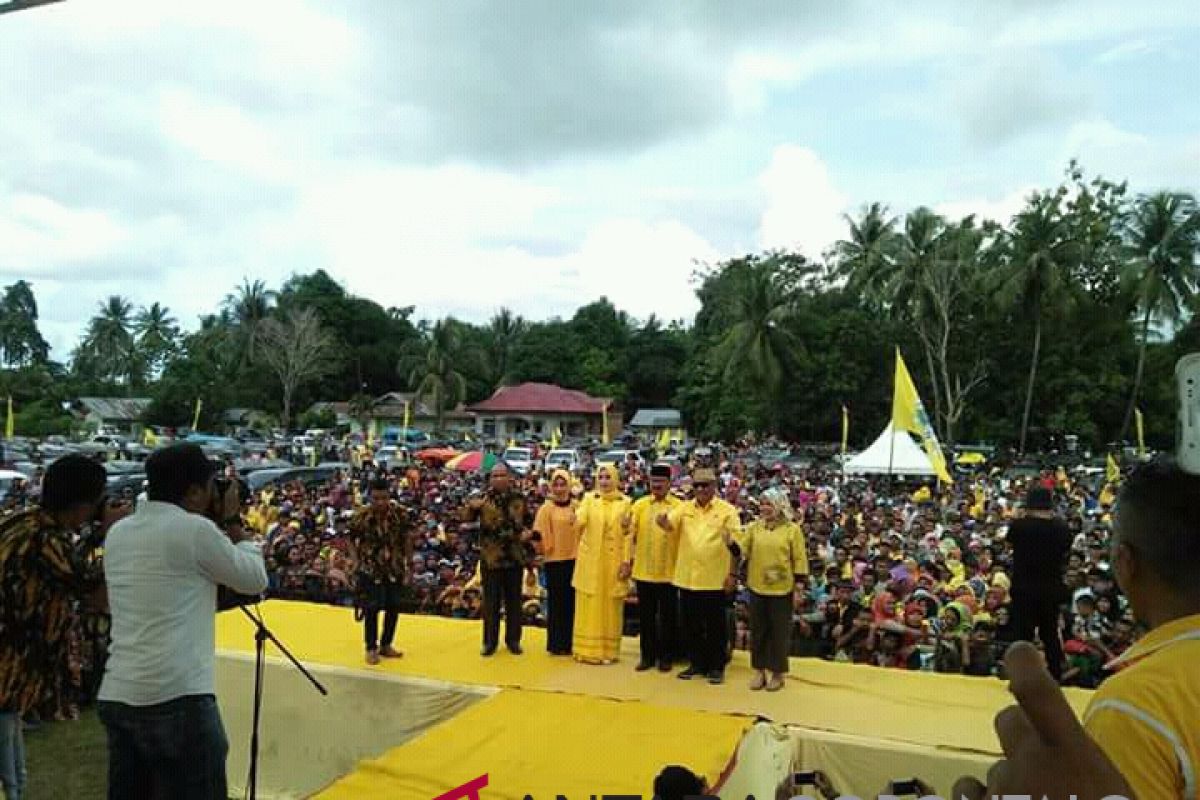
559,728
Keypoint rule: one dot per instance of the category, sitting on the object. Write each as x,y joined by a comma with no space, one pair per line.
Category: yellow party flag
605,438
407,413
10,423
1112,472
845,428
555,439
1139,423
664,441
908,414
149,438
196,414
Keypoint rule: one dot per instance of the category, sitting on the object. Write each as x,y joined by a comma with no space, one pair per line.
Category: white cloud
1125,51
804,208
1001,209
39,236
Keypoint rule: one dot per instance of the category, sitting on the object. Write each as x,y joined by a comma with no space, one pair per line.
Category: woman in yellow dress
601,578
776,555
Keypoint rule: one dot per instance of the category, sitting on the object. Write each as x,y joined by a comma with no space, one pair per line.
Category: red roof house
539,408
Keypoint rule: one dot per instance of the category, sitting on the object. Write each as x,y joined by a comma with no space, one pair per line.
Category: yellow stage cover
545,745
940,711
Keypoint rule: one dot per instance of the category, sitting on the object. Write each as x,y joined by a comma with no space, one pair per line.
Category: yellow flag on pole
1112,472
605,438
407,414
664,441
555,439
10,423
1141,432
196,414
908,414
845,428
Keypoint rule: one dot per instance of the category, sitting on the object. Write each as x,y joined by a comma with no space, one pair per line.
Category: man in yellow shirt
704,574
651,561
1145,716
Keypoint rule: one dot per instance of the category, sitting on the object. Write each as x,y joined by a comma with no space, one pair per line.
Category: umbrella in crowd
474,461
439,454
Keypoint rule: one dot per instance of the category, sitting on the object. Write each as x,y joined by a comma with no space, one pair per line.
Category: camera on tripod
227,598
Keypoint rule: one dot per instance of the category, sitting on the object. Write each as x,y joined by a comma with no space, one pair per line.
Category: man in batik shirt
381,547
41,582
505,530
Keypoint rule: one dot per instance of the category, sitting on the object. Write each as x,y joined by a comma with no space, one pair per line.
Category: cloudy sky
465,155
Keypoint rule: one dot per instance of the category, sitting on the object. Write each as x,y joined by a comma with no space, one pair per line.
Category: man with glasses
704,573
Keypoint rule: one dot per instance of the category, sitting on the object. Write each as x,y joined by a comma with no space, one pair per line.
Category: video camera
227,598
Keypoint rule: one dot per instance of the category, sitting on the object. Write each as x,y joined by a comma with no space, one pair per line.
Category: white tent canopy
892,447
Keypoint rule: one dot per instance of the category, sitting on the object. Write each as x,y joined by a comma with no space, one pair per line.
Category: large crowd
899,575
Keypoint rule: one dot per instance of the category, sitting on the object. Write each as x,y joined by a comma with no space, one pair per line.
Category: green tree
21,343
1163,235
249,306
1038,255
504,333
435,369
108,350
157,335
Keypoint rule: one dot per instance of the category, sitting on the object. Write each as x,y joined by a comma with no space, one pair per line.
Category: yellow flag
196,414
1141,432
555,439
605,438
1112,472
9,423
845,428
407,413
149,438
908,414
664,441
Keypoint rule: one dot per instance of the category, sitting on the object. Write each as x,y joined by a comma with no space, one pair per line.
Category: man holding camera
41,580
381,549
162,566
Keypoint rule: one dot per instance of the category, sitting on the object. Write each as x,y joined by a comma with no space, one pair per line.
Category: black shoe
716,677
515,649
664,666
488,650
689,673
644,665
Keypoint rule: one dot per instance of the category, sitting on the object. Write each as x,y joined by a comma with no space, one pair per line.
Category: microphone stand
261,636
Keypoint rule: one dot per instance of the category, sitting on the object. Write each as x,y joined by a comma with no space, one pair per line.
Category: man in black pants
381,547
652,564
1040,543
505,530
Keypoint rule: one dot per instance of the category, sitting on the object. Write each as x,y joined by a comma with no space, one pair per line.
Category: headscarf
564,475
965,619
779,500
615,492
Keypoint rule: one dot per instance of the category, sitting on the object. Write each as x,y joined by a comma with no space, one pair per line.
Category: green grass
68,759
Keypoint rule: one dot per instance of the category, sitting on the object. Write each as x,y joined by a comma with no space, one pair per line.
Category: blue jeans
12,756
172,750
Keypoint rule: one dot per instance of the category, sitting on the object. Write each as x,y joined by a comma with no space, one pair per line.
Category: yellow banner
908,414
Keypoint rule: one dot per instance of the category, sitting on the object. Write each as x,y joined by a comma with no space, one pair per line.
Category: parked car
569,460
309,476
390,456
519,459
623,459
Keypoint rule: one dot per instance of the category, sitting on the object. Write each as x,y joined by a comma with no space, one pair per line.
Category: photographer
40,582
163,565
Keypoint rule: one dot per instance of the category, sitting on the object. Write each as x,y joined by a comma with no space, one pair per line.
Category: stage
544,726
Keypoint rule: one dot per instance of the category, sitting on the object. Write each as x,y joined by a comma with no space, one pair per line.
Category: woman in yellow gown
601,578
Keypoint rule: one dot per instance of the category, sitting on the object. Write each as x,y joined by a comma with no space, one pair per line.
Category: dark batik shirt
383,542
502,518
40,581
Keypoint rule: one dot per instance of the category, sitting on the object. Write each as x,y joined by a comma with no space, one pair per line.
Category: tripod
261,636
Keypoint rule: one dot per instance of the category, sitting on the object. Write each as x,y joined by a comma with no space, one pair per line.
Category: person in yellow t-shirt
652,563
558,540
704,574
601,573
1145,716
776,557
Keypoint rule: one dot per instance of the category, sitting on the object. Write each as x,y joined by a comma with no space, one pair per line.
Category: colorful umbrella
474,461
437,454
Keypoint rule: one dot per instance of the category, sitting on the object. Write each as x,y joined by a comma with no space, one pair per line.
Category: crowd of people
900,576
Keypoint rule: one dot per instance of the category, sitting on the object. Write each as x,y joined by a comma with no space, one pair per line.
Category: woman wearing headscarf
559,539
601,574
776,557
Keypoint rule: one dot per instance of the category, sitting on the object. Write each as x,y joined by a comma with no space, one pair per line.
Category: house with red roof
537,409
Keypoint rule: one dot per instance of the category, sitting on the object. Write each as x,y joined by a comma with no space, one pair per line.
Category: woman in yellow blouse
559,540
601,574
776,555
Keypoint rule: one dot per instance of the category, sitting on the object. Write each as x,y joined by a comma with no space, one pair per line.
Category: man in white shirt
162,567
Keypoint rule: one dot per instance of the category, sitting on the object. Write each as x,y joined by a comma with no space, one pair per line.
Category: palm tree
868,257
21,343
109,342
1162,236
435,370
504,331
157,332
248,306
758,343
1037,258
